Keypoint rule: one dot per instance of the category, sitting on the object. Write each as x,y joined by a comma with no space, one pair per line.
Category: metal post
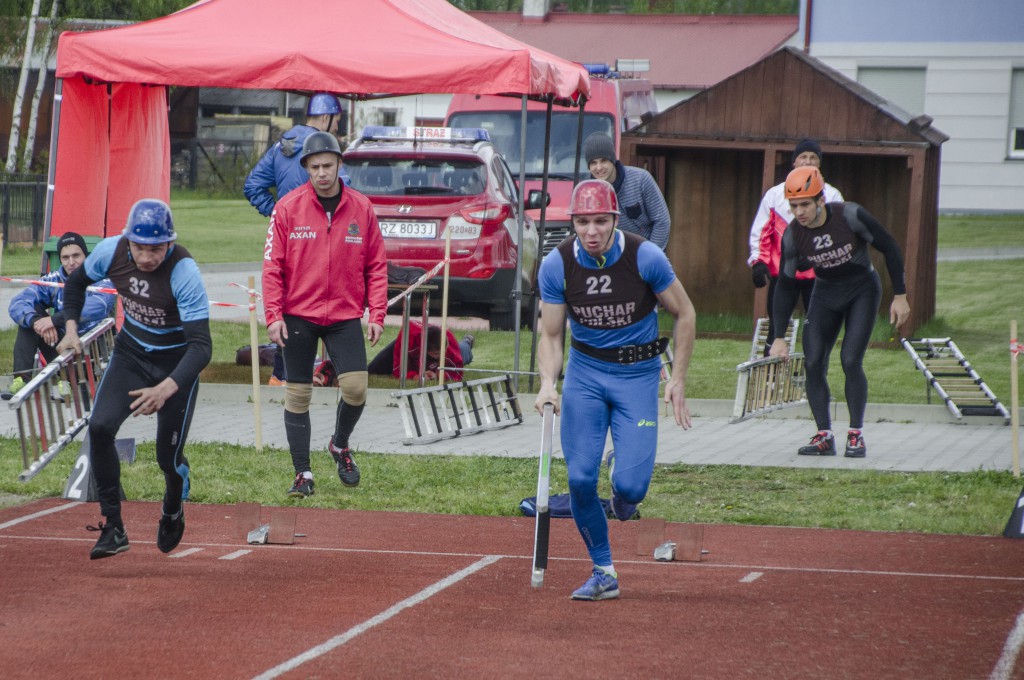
58,97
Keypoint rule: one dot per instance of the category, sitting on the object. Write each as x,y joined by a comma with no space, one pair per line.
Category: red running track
397,595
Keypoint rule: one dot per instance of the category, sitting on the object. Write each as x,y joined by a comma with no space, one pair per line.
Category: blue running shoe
622,510
600,586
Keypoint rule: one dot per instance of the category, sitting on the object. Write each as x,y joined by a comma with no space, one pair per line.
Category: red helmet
593,197
804,182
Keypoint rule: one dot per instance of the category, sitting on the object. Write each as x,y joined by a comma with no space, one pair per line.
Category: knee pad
353,387
297,397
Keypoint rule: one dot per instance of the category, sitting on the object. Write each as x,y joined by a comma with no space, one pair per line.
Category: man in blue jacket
279,167
39,310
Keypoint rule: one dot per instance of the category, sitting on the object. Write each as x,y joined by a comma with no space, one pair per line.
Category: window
389,117
904,87
1017,114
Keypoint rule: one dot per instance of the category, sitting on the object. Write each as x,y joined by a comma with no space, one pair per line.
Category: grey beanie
598,145
807,145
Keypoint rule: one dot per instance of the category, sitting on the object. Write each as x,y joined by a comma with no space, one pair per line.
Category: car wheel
502,319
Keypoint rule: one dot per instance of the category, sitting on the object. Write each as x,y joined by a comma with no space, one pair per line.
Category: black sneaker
112,540
301,487
822,444
348,471
169,531
855,447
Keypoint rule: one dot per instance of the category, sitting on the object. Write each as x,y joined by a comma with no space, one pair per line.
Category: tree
30,136
30,36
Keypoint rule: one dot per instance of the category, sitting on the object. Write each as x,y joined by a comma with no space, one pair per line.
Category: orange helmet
593,197
804,182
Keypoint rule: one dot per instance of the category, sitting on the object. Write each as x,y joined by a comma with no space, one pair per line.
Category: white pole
1014,399
444,307
255,361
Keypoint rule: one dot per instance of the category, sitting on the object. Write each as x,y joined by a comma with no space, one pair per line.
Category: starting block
686,539
279,531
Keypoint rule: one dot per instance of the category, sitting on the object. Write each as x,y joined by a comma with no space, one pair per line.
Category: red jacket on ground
321,270
453,355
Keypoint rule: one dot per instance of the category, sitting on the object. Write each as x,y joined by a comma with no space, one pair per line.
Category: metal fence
22,208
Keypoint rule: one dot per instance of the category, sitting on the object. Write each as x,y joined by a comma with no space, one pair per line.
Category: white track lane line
1007,660
351,633
235,555
752,576
767,568
185,553
41,513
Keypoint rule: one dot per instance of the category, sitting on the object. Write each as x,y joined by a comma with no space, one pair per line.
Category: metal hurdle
767,384
444,411
53,407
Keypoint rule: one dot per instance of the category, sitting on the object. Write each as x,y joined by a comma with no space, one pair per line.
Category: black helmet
319,142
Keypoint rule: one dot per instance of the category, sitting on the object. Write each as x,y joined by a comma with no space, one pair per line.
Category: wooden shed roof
789,96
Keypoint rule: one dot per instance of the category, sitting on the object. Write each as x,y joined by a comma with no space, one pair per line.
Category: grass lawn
957,503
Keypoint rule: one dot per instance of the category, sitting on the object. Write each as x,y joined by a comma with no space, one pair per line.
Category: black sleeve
74,294
785,296
883,241
198,353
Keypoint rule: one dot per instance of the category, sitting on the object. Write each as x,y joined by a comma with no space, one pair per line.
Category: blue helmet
323,104
150,223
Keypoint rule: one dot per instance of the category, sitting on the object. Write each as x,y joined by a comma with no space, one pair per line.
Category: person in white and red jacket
773,216
323,265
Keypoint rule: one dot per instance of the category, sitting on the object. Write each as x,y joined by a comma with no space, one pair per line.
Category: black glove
760,275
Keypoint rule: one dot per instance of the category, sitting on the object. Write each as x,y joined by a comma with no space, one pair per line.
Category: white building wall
969,50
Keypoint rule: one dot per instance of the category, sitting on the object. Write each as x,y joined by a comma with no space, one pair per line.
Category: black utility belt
627,354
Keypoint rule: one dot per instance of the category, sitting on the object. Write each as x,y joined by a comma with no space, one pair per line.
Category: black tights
133,368
854,304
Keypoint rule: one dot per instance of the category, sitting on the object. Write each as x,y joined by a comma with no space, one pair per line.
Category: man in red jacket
458,353
323,265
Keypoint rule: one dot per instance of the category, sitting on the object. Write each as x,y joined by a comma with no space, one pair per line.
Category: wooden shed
715,155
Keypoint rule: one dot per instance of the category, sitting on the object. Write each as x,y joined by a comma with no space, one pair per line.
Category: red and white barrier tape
54,284
112,291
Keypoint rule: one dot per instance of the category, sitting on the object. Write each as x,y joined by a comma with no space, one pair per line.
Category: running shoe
301,487
622,510
169,531
16,384
855,447
112,540
822,444
600,586
348,471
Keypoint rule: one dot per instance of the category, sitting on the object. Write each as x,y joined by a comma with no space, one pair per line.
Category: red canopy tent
111,143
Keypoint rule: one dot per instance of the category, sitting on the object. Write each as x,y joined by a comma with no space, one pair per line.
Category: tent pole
540,234
517,285
51,176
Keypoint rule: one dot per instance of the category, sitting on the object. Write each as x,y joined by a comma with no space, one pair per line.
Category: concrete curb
699,408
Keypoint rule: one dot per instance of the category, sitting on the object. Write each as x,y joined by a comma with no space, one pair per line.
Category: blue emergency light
424,134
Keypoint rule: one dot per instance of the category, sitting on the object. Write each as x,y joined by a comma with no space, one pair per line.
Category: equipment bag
404,275
243,355
558,506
